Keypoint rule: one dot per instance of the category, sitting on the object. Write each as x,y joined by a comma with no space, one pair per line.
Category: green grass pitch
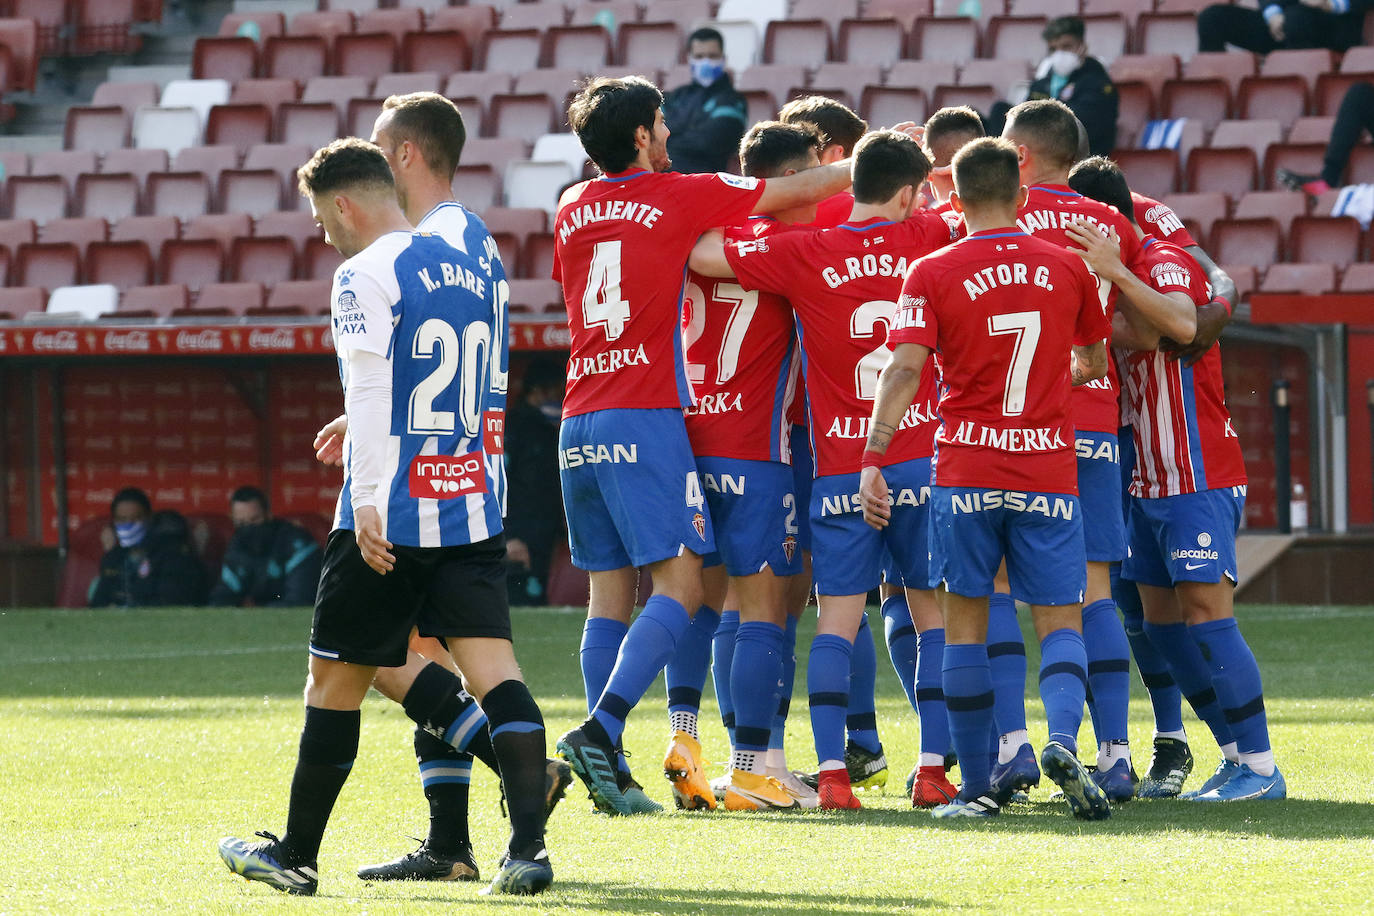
130,742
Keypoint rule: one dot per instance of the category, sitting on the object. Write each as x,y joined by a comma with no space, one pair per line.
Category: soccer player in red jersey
630,485
843,284
840,130
1188,496
1001,308
946,132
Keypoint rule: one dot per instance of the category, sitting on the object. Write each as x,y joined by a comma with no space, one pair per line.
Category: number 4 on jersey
601,302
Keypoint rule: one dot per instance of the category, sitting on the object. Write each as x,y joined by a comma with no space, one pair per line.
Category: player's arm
708,256
329,441
806,187
1088,363
1212,318
1172,316
897,386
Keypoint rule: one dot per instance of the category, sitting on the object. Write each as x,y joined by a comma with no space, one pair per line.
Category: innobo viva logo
447,476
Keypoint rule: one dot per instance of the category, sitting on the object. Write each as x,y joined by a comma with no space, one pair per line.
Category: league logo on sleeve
743,182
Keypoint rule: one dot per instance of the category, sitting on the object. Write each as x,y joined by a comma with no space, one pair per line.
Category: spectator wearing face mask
1068,74
269,561
707,116
149,559
534,517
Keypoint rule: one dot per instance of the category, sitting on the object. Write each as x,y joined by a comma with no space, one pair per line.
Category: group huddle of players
986,373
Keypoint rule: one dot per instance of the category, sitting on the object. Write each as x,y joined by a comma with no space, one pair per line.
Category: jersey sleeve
721,199
1093,323
915,320
768,264
360,304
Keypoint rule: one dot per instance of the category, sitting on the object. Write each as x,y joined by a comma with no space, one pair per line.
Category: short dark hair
706,33
132,495
1048,128
1061,26
986,172
885,161
249,495
346,163
1102,179
605,113
951,124
836,122
771,147
433,123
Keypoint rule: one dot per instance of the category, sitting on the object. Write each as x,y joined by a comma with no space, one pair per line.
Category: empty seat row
78,27
1261,241
1157,172
1301,279
170,300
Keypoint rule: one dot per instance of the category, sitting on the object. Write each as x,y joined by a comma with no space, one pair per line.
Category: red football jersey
843,284
834,210
1003,309
742,362
1048,210
1184,440
1161,221
620,250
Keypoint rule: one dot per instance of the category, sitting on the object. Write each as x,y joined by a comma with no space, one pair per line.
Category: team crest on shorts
789,547
699,523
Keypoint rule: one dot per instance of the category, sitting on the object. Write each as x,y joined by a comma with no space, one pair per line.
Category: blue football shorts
755,515
803,474
1099,493
1185,538
847,553
1039,534
630,489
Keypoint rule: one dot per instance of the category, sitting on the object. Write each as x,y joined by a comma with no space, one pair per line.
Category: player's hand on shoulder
1101,250
873,493
372,543
329,441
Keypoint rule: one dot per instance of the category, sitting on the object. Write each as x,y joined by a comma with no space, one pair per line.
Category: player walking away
742,361
422,136
1001,307
1171,760
1188,496
843,284
630,485
417,539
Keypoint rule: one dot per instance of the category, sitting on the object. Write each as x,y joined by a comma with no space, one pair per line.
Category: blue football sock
1064,684
1007,659
861,720
827,684
1165,699
601,639
930,692
685,673
789,675
1192,674
900,635
722,660
967,682
649,644
1236,676
757,669
1109,669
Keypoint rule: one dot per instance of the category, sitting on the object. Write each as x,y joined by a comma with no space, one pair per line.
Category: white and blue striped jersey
430,309
464,230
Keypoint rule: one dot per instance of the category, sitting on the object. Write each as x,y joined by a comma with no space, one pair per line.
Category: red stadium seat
37,197
510,50
153,301
1307,279
1283,98
1108,36
192,262
832,11
477,85
494,151
326,24
1201,208
870,41
951,38
103,27
1304,158
122,264
1243,275
111,196
21,37
1331,89
508,248
1311,129
5,258
1207,101
648,45
252,191
1047,9
1001,74
760,105
360,115
208,160
101,129
1231,66
779,79
855,76
1152,172
153,231
1167,33
526,116
16,232
312,124
266,24
1231,170
129,96
1135,109
406,83
538,253
477,186
266,91
1013,36
320,261
521,222
295,57
1182,6
536,294
1358,278
921,74
438,52
297,225
16,302
797,41
46,266
282,158
1325,240
301,297
1154,70
336,90
1253,242
831,91
238,126
265,259
1308,63
228,299
979,98
580,47
613,14
1256,134
887,105
368,54
557,83
904,11
232,58
137,162
395,22
473,20
221,228
1283,206
81,231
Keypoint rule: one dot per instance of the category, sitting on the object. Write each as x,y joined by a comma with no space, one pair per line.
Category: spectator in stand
707,116
1354,117
1334,24
534,520
148,557
270,562
1068,74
